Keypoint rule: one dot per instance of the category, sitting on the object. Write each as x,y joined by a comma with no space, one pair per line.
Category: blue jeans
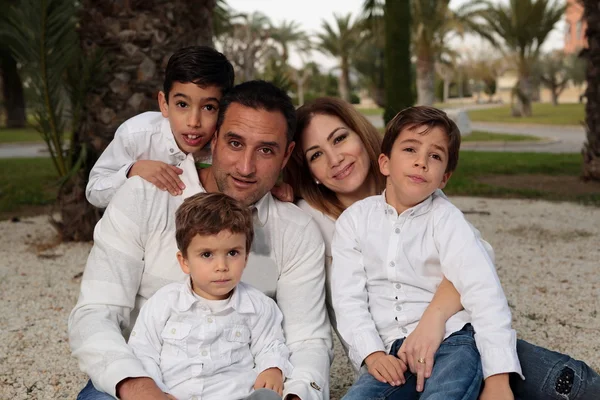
456,374
550,375
89,392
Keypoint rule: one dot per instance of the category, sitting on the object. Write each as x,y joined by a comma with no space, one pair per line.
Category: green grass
26,182
371,111
474,165
20,135
480,136
543,113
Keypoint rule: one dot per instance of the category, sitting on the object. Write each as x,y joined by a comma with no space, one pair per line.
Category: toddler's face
215,263
416,166
192,112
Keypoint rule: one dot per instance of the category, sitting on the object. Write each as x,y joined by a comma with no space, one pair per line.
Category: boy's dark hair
201,65
423,117
209,214
260,95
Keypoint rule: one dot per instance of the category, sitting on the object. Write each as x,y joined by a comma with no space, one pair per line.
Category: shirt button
392,263
209,319
132,333
398,308
238,334
171,150
397,286
204,353
194,398
397,230
404,330
173,330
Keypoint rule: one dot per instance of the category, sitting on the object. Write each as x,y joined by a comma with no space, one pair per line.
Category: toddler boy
212,336
390,253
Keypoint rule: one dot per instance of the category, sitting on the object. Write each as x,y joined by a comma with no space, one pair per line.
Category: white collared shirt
134,255
191,351
146,136
387,267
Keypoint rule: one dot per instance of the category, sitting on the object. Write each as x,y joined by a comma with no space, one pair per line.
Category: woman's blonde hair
297,172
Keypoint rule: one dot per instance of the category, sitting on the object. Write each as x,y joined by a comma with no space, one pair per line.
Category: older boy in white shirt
151,144
212,336
390,253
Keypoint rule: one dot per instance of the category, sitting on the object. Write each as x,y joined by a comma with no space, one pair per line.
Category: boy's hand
386,368
283,192
497,387
160,174
422,344
270,378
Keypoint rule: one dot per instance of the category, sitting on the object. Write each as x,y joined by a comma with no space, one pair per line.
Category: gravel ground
547,257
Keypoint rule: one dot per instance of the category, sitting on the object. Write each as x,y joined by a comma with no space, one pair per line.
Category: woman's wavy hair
297,172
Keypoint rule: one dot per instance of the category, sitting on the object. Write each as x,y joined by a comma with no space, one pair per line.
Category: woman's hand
419,347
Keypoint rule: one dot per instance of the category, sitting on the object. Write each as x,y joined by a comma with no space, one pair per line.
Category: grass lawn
522,175
26,183
19,135
543,113
370,111
480,136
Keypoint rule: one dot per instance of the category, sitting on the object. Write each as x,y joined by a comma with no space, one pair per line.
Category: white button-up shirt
387,267
191,350
146,136
134,255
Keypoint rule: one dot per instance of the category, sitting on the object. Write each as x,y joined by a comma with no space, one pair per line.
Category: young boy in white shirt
151,144
390,253
212,336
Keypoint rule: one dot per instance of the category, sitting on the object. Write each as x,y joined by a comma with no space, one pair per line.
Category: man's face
249,152
192,111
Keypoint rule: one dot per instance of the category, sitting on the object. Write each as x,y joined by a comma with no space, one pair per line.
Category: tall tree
340,41
520,27
397,58
288,33
12,90
591,149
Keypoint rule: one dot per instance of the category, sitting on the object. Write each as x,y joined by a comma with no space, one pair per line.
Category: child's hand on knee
386,368
497,387
160,174
271,378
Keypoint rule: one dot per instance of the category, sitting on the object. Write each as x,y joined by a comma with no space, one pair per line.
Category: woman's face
336,156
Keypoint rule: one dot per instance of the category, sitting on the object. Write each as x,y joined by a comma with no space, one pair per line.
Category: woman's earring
317,182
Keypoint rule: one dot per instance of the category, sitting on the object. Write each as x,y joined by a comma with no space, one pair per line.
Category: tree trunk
591,149
446,90
555,95
398,82
522,94
139,36
425,81
12,90
344,82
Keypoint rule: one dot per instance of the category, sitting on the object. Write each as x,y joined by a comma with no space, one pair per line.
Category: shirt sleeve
145,339
301,298
108,292
111,169
268,343
466,263
349,292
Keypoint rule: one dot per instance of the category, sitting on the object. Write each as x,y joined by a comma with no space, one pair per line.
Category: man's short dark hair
201,65
423,118
260,95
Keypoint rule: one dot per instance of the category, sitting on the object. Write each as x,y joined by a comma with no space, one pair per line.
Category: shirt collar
239,301
190,177
165,129
262,208
421,208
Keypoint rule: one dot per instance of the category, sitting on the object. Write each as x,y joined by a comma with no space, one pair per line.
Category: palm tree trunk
139,37
12,88
344,82
425,81
591,149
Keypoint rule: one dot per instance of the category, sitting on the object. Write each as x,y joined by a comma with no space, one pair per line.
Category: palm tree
287,34
340,41
591,149
521,27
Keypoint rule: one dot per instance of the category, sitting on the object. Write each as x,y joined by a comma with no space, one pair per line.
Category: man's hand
386,368
270,378
140,389
497,387
283,192
161,175
422,344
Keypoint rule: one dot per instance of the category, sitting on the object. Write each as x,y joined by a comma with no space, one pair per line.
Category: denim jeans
550,375
456,374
